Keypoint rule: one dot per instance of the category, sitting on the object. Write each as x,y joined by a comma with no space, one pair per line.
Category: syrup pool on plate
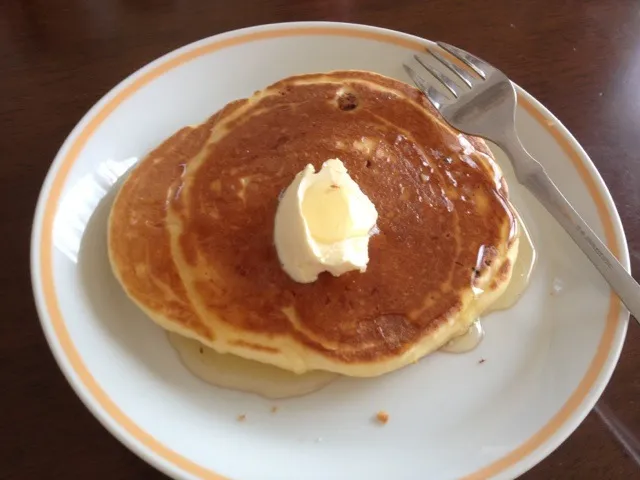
237,373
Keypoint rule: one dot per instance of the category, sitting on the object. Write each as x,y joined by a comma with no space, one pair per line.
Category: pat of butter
323,223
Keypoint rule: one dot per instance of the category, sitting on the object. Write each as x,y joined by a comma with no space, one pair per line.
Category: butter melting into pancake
191,230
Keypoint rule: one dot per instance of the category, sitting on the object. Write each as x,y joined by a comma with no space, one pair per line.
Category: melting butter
236,373
323,223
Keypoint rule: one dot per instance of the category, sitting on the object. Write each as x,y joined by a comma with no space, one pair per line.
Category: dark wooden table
580,58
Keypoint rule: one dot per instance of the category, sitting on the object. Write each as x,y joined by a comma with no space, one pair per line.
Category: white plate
547,359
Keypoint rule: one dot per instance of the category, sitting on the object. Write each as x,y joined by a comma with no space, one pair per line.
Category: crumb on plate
382,417
274,409
481,361
241,418
556,286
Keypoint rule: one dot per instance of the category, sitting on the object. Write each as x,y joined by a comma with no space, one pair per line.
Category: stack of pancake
191,230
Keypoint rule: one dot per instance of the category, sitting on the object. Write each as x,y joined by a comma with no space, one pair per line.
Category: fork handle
533,176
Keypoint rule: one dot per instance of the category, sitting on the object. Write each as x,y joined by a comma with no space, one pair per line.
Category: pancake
191,230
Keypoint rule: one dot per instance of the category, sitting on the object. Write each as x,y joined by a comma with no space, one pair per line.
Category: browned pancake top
442,213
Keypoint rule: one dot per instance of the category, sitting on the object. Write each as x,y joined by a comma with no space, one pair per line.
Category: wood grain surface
580,58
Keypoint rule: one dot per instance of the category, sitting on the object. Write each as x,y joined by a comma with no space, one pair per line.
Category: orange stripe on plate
183,463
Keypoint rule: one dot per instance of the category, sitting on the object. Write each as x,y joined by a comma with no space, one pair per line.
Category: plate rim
174,464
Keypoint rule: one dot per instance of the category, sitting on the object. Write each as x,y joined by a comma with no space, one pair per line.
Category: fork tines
434,96
480,67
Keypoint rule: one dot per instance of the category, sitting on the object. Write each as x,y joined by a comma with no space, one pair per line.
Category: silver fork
485,106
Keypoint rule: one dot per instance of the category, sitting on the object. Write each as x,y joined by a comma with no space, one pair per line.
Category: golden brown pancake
191,231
